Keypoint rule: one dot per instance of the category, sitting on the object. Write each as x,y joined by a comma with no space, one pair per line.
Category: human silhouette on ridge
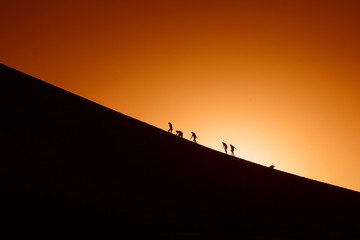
193,136
232,150
170,127
225,147
179,133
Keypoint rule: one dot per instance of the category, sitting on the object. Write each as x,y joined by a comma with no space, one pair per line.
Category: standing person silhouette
232,150
193,136
170,128
225,147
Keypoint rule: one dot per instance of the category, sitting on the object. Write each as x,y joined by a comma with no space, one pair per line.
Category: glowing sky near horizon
278,79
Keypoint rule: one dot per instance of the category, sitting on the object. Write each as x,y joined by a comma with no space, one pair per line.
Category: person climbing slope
232,149
170,128
225,147
179,133
193,136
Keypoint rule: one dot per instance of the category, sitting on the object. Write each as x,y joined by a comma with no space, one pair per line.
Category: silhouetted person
170,128
193,136
179,133
232,149
225,147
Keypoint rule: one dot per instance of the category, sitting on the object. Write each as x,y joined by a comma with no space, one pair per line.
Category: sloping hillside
71,165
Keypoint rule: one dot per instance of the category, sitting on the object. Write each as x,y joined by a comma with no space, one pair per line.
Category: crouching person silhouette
179,133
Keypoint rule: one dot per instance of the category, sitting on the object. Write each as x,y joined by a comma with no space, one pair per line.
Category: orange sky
277,79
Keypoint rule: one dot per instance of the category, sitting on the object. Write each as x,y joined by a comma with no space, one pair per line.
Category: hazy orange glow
277,79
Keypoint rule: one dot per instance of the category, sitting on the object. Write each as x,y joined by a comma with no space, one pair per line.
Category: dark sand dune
70,166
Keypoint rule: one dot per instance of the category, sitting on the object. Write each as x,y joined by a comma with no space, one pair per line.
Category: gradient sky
278,79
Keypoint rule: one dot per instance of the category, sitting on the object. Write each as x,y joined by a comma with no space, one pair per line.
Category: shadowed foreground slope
69,165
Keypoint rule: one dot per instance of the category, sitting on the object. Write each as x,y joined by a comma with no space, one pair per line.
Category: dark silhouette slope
71,165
